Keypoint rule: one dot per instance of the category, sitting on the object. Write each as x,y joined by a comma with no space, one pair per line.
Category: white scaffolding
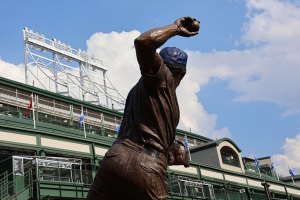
57,67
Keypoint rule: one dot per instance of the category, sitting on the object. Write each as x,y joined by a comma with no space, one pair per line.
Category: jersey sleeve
156,80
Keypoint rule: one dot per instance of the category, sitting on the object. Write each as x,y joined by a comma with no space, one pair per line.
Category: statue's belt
140,147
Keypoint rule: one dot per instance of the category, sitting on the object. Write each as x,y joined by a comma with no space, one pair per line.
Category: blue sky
242,81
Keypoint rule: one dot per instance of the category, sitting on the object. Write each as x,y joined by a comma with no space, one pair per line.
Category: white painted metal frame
59,68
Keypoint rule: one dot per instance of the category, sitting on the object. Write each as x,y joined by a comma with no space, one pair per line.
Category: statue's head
176,60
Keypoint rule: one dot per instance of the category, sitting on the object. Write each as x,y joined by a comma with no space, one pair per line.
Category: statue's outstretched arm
147,43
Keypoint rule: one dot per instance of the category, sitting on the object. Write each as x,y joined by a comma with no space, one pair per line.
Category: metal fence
192,188
20,104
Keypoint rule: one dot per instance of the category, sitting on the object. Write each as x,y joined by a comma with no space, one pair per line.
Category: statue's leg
147,174
129,172
111,176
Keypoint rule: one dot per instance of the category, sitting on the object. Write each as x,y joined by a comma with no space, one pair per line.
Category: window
229,156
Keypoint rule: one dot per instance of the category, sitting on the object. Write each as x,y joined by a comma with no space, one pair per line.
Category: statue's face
178,74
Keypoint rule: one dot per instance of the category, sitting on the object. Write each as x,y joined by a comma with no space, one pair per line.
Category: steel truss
57,67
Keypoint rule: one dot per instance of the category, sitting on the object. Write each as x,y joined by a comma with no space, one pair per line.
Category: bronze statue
134,168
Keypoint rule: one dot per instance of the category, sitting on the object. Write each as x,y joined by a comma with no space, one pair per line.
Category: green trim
263,158
19,146
193,135
214,144
63,189
10,123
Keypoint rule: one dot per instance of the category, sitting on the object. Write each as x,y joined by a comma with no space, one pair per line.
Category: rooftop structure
56,66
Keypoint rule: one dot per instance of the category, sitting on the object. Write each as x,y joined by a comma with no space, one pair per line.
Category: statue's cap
174,57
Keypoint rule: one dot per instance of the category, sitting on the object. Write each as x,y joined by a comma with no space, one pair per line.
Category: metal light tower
59,68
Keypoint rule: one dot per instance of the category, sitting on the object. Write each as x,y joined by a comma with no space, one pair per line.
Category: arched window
229,156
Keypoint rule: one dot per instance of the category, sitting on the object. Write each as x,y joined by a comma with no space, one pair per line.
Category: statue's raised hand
188,26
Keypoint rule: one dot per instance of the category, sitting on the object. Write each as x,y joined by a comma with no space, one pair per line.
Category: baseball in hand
194,26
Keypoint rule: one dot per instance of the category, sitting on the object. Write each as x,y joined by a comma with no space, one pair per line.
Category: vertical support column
16,99
286,192
33,100
94,161
105,89
266,187
37,107
53,121
99,100
80,171
102,125
71,116
72,180
37,180
248,193
26,62
55,70
25,35
68,86
81,66
227,191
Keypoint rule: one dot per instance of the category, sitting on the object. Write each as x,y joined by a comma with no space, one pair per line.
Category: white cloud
272,21
12,71
193,115
290,157
117,51
276,26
